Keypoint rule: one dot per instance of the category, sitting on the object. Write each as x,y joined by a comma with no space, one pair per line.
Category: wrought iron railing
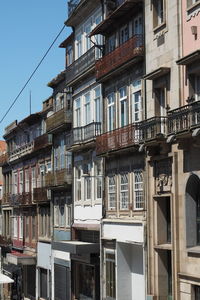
130,49
80,65
42,141
153,128
59,177
119,138
40,194
184,118
58,119
85,133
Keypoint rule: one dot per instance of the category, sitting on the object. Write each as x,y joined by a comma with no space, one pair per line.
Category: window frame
138,188
123,191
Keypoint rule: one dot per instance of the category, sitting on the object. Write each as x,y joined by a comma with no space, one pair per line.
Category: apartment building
123,228
84,247
24,194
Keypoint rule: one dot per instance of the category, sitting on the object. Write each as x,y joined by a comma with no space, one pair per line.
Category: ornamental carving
163,175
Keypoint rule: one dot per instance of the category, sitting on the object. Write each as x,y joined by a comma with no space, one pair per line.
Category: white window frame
79,45
97,104
137,108
98,179
87,30
138,190
27,180
77,112
21,182
110,111
15,227
124,192
123,101
78,183
87,108
112,196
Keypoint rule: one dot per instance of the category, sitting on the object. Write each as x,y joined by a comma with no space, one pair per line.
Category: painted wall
87,214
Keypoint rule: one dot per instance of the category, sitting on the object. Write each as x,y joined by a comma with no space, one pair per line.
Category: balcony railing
58,119
153,128
133,48
20,199
42,141
184,118
86,133
6,199
3,159
21,151
81,65
72,4
118,139
59,178
40,194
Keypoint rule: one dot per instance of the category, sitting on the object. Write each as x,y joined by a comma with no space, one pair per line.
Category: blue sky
27,28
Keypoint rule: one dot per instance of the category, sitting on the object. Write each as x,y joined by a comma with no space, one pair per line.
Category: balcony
118,139
21,199
59,178
122,56
80,66
84,134
182,120
6,199
40,195
3,159
153,129
58,120
21,151
42,142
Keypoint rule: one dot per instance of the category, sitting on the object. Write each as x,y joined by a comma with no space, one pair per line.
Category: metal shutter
61,282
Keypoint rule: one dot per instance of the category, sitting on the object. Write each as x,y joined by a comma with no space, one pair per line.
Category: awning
5,279
76,247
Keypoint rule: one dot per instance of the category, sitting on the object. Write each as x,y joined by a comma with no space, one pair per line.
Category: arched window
193,211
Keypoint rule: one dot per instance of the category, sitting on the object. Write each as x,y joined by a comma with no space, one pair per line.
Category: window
69,54
48,166
97,104
79,50
21,182
160,104
78,183
197,88
77,112
138,190
21,226
111,193
87,109
42,174
98,38
123,107
111,43
98,180
27,227
27,185
123,34
196,292
137,25
110,275
88,181
136,101
15,183
33,178
124,197
111,111
33,226
88,41
62,211
15,226
191,2
62,153
159,12
44,224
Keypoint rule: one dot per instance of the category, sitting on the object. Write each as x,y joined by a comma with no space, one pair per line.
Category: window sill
159,27
193,7
193,250
166,246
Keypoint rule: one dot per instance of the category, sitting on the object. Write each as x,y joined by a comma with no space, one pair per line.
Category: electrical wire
32,74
